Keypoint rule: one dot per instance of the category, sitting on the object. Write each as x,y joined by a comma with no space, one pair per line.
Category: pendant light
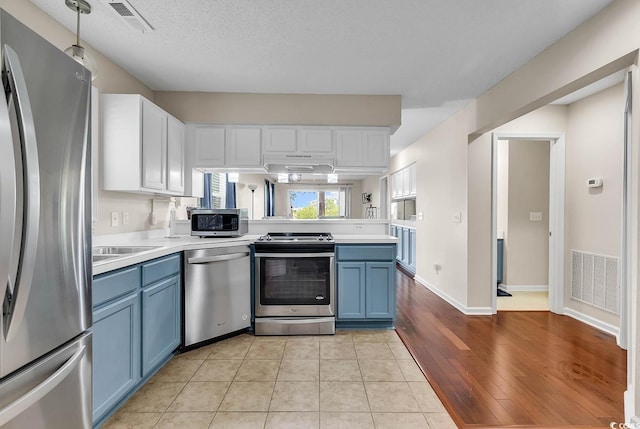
77,52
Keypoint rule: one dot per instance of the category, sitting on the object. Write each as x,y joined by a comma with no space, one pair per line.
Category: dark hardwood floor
533,369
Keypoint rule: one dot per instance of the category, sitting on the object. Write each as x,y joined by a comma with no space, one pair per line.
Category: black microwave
219,222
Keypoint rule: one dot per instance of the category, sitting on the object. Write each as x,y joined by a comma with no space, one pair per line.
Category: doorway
523,225
556,176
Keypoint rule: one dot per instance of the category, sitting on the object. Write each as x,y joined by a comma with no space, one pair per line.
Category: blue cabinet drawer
366,253
112,285
160,268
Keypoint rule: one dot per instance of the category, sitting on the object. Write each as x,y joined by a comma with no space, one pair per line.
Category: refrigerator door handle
20,294
15,408
8,185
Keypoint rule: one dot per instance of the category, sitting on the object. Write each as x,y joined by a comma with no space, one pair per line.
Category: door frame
556,213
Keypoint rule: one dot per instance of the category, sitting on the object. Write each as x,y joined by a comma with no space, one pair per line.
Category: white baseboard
470,311
592,321
629,406
525,288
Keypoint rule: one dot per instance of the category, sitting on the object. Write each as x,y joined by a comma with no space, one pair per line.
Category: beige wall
593,216
527,242
285,109
441,165
370,185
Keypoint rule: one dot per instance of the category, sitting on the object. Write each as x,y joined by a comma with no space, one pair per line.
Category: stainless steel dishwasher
217,298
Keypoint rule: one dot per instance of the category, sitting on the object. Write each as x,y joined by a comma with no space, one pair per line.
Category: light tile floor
354,379
524,301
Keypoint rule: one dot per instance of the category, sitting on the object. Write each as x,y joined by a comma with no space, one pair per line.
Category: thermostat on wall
594,182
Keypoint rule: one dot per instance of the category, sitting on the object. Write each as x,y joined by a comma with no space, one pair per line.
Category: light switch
535,216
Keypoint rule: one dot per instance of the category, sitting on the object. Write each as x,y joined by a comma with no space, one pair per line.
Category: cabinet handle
220,258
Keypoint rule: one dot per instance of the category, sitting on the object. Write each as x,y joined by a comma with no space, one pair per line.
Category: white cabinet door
208,146
280,140
175,155
154,143
375,148
405,182
316,140
349,148
412,180
243,147
396,186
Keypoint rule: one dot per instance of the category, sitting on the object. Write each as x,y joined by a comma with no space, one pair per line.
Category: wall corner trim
592,321
469,311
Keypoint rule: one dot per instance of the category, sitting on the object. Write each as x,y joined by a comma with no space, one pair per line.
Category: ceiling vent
131,16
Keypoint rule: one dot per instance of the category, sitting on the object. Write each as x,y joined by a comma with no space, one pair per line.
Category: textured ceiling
435,53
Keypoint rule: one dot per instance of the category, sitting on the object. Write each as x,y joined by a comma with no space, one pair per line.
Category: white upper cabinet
349,148
412,180
362,147
375,148
137,156
243,146
154,143
403,182
280,140
316,140
222,146
247,147
175,156
208,146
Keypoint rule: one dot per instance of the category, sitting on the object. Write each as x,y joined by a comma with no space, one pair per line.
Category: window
216,183
319,203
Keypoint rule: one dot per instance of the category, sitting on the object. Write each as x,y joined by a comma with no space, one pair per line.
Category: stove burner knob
268,238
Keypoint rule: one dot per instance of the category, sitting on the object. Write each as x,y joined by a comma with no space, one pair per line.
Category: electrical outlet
115,219
535,216
457,217
125,218
420,216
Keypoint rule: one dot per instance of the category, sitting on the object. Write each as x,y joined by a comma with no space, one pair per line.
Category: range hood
299,163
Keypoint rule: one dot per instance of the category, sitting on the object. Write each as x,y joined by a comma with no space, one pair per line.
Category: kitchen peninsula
137,296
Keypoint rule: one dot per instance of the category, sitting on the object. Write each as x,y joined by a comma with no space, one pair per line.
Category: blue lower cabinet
351,290
380,290
136,328
160,322
412,249
116,352
366,289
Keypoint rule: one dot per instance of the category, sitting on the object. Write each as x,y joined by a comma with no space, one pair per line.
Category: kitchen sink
98,258
104,253
121,250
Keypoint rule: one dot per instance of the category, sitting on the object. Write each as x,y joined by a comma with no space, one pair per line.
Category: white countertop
165,246
406,223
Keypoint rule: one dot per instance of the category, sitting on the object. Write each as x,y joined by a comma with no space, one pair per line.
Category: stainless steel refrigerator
45,234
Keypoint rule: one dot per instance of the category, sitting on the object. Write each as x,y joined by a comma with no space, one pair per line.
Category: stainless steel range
294,284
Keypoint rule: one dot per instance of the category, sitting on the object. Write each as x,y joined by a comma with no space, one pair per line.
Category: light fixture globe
77,52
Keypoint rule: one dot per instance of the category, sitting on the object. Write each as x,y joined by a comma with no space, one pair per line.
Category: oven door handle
294,255
219,258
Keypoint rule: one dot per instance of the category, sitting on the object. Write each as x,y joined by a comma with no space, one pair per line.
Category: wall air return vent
130,15
595,280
